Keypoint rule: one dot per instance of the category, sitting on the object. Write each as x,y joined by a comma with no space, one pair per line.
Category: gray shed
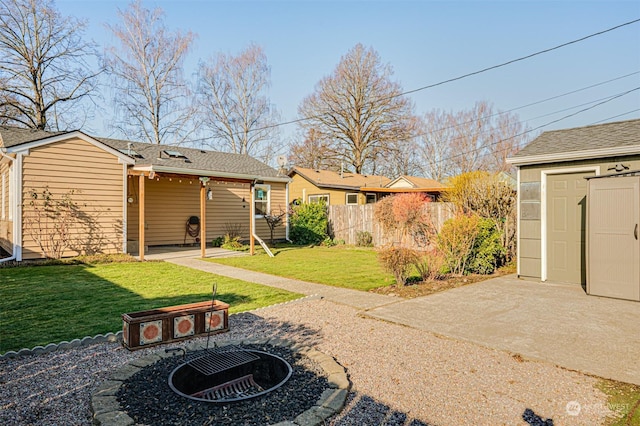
552,194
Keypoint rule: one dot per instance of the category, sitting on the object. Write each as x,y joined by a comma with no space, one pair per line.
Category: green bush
398,261
232,242
488,252
456,241
308,223
364,239
217,242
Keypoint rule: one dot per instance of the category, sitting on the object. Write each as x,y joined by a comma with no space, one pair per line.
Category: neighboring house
310,185
552,195
112,179
404,184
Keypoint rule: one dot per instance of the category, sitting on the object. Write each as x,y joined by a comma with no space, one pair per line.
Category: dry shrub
408,214
397,261
430,264
456,241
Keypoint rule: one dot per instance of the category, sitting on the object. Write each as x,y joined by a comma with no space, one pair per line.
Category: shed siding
169,204
530,225
94,176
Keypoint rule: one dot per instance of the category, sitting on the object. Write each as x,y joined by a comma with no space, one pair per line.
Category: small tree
51,221
408,214
274,220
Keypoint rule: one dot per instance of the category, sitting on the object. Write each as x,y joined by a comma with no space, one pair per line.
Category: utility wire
440,83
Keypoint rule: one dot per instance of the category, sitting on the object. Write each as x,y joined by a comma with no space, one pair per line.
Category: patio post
203,217
141,217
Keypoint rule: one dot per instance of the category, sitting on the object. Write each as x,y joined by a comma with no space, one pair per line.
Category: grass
623,398
49,304
339,266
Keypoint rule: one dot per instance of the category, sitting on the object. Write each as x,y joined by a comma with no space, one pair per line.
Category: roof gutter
210,173
574,156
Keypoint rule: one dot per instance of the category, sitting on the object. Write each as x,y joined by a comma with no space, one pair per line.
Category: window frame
267,188
318,196
366,198
346,198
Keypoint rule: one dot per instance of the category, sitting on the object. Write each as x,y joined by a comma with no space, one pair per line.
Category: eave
574,155
145,169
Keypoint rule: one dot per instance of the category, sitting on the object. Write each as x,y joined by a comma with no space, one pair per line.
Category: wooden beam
203,220
141,217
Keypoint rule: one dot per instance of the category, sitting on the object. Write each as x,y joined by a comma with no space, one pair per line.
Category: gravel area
400,376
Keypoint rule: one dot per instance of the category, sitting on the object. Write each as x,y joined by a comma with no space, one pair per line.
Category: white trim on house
286,200
543,208
209,173
17,206
574,155
25,147
125,205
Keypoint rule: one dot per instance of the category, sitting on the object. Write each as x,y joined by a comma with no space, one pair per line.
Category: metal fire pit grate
228,357
242,387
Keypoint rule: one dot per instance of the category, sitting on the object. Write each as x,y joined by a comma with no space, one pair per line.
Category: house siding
170,203
6,225
95,176
300,186
530,237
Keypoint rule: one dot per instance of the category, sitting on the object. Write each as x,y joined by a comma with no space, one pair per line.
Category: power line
440,83
617,116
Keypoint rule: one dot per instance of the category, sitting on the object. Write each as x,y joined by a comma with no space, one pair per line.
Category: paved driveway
550,322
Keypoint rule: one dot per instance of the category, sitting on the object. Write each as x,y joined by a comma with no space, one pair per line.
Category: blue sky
425,42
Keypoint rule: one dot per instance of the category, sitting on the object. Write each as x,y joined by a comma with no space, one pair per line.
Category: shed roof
595,141
330,179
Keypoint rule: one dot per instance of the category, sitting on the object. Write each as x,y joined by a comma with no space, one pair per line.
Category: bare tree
313,153
151,95
44,72
235,110
477,139
359,109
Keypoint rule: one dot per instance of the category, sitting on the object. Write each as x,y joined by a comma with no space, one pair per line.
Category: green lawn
339,266
49,304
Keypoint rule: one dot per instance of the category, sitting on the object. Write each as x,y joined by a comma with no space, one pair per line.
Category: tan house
553,202
403,184
129,194
310,185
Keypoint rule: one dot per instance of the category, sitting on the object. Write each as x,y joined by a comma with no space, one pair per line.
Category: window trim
266,187
346,198
375,196
325,196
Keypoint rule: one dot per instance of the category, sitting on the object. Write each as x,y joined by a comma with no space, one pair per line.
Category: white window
324,198
352,198
371,198
262,198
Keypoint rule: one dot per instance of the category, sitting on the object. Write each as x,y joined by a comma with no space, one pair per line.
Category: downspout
15,216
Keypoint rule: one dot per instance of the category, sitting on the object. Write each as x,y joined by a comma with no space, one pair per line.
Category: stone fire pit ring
107,412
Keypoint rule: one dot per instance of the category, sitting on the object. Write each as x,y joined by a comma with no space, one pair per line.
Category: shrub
430,264
364,239
308,223
408,214
232,242
217,242
488,252
397,261
456,241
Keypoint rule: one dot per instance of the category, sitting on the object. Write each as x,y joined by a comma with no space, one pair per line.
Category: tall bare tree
477,139
359,109
151,95
235,109
313,153
44,70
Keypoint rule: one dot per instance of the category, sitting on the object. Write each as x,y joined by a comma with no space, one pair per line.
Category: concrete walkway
554,323
345,296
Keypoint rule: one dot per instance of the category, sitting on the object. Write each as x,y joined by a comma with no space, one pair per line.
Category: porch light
209,194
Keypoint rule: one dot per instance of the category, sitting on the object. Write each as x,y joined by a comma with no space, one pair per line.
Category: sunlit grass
339,266
48,304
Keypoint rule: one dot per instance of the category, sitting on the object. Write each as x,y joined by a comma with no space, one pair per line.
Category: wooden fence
346,221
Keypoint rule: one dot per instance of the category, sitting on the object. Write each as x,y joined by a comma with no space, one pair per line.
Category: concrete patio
549,322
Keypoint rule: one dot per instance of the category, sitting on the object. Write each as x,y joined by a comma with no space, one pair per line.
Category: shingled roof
158,157
601,140
330,179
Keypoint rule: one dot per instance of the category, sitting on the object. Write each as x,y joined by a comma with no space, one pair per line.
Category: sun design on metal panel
150,332
183,326
214,320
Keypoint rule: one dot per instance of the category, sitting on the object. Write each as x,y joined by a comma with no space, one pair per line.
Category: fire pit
229,374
